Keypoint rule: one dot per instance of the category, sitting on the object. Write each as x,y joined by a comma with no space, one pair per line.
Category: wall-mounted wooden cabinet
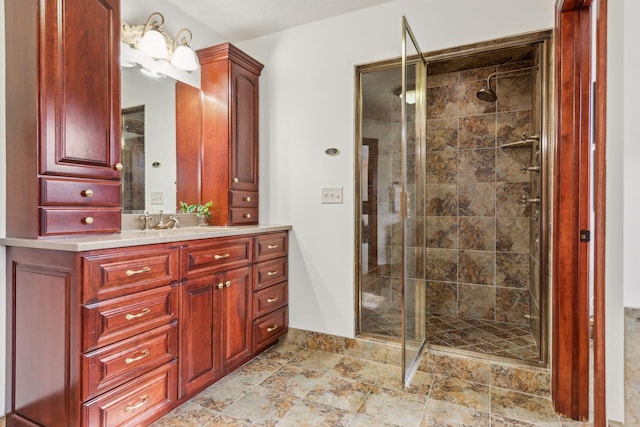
228,112
63,128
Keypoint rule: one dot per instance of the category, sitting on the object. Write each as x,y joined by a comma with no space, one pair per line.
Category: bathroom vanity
120,329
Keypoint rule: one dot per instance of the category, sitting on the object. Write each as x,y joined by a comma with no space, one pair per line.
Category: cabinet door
244,129
200,334
236,317
80,89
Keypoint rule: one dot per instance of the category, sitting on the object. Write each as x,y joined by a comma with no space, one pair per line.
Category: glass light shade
184,58
153,44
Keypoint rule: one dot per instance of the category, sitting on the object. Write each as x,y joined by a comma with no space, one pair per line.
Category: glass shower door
412,202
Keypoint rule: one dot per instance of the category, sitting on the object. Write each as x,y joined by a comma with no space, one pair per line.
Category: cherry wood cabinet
229,156
63,133
122,336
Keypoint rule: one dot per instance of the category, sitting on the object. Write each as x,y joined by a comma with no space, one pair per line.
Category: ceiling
239,20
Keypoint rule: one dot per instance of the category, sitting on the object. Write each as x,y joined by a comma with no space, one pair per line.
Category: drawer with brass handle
268,328
217,255
113,365
243,215
137,402
79,192
271,246
118,318
269,273
56,221
243,199
269,299
127,271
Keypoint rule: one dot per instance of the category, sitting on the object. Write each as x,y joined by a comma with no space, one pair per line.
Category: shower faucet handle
524,200
524,169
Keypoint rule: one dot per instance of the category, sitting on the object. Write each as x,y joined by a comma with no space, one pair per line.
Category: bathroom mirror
155,170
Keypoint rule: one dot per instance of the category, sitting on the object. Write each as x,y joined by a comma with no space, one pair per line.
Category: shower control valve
524,200
524,169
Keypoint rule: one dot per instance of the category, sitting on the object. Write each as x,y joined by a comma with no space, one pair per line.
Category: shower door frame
547,143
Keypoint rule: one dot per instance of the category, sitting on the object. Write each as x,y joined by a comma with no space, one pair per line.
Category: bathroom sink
181,230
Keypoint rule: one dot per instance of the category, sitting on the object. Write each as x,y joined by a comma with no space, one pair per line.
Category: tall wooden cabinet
229,164
63,129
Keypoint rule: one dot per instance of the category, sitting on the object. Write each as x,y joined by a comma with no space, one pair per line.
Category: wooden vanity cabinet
229,163
122,336
63,133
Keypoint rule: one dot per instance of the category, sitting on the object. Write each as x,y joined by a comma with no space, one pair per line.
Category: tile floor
292,386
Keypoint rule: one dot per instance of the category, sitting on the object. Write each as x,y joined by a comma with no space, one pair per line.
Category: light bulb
184,58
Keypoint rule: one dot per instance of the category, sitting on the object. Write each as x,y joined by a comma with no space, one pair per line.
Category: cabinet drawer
240,216
243,199
270,299
270,246
68,192
115,364
115,274
217,255
268,328
79,221
136,402
123,317
269,273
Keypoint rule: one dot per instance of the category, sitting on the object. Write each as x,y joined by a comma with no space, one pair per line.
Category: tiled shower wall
478,232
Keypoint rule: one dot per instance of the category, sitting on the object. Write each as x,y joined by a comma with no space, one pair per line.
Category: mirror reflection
149,143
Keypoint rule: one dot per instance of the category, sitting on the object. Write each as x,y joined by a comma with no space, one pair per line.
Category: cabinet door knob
87,193
220,285
227,283
248,216
236,180
118,166
88,220
246,199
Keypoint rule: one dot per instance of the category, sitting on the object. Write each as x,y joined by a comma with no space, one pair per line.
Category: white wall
307,105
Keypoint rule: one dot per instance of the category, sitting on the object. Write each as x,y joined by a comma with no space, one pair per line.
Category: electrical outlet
157,198
331,195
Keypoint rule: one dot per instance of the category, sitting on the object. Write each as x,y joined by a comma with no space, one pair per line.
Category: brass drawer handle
246,199
272,273
87,193
142,270
247,216
227,283
130,360
118,166
135,316
88,220
272,246
271,300
222,256
132,406
220,285
273,328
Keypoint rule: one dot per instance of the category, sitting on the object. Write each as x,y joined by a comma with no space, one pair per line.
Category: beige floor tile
262,406
420,384
222,394
523,407
293,380
340,392
314,414
316,360
393,406
187,415
360,369
460,392
439,413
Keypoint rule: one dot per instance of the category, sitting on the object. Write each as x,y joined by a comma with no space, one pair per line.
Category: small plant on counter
198,209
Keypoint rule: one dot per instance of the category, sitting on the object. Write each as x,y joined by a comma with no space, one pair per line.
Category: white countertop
138,237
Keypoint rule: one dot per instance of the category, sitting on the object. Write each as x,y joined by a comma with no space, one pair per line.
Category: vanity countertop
138,237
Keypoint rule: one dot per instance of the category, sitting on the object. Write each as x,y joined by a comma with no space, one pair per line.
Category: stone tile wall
631,366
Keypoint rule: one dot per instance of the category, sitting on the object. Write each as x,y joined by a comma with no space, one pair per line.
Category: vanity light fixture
184,57
153,42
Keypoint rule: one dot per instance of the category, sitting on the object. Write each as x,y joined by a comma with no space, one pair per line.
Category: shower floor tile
491,337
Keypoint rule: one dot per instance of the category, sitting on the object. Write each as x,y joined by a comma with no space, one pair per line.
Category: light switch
331,195
157,198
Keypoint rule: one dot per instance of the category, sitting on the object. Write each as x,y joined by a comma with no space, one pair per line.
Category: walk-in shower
483,256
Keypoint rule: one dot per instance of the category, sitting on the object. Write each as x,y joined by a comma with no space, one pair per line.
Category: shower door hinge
404,204
585,235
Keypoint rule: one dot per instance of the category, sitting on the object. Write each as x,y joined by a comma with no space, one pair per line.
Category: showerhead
486,94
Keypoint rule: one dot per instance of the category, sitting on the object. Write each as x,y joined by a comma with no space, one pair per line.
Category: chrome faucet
172,222
146,221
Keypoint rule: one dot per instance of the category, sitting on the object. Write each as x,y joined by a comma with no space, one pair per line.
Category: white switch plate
331,195
157,198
